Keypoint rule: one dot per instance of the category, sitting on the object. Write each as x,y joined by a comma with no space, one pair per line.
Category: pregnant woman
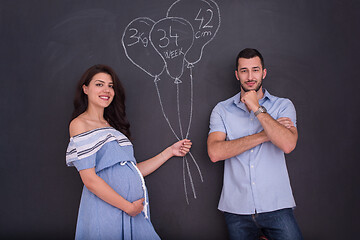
114,201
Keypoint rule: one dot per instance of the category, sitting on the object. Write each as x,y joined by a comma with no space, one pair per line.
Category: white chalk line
178,108
190,177
212,5
190,66
162,108
185,161
142,19
186,196
197,166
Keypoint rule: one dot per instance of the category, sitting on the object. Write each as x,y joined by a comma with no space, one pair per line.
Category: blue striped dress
111,154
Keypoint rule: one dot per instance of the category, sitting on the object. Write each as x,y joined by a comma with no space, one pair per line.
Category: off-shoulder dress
111,154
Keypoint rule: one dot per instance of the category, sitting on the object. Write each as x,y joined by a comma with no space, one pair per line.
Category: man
251,131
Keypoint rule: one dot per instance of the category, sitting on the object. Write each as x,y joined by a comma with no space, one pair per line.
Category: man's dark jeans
279,225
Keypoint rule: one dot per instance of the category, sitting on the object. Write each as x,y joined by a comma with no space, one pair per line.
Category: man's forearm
221,149
284,138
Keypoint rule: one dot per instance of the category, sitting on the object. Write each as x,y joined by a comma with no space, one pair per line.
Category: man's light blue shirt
257,179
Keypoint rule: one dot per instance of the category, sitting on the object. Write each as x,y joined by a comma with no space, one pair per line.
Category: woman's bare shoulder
77,125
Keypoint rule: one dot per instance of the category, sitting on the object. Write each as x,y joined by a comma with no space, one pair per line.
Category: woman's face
100,90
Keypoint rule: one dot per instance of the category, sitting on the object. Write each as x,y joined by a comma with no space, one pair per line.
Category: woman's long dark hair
115,112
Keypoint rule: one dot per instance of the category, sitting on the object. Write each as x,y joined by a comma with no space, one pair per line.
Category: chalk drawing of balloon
204,16
168,44
138,49
172,38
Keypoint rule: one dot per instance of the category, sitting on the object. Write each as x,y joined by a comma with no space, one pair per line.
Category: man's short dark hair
249,53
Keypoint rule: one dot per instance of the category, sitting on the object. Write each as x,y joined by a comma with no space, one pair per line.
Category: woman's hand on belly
136,207
102,190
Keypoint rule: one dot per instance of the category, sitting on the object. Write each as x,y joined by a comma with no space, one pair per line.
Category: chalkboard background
311,51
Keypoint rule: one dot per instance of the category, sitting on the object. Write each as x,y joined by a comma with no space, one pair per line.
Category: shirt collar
267,96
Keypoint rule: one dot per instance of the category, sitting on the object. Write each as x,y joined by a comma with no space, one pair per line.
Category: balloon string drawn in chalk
190,177
184,179
163,112
190,66
166,46
178,110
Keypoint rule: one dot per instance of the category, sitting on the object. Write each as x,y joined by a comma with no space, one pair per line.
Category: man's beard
247,90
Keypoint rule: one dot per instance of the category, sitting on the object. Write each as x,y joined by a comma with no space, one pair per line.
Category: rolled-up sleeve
288,110
216,120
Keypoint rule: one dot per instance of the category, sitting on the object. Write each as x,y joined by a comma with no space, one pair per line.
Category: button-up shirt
257,179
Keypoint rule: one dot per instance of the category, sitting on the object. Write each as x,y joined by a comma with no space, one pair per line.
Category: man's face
250,74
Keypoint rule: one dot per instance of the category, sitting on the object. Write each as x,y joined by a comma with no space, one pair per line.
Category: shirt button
253,183
252,166
252,151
